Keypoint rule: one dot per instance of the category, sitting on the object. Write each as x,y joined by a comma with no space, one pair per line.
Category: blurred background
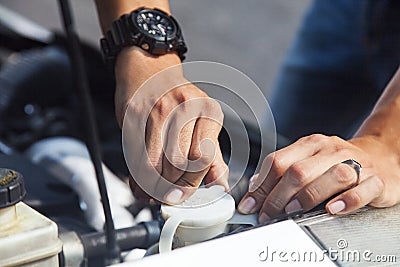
251,36
41,122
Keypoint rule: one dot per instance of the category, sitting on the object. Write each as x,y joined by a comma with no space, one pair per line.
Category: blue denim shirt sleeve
336,67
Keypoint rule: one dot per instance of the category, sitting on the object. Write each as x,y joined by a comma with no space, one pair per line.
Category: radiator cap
12,189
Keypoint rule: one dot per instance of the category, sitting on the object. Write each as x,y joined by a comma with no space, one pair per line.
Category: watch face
155,24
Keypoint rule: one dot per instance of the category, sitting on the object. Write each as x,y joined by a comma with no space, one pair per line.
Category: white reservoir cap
206,207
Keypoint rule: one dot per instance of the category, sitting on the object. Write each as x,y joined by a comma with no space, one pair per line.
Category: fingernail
337,207
174,196
293,206
263,218
247,205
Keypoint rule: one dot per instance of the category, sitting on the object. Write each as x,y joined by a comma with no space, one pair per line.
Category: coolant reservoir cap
12,189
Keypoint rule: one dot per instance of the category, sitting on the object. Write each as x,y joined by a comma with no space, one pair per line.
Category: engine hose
142,235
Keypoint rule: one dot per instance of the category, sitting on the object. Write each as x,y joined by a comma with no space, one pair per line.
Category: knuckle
297,175
219,115
344,174
275,205
389,202
338,146
344,152
275,160
195,154
211,105
135,108
156,164
219,170
379,183
183,96
315,138
172,174
177,162
354,199
261,192
199,93
335,139
204,158
188,182
163,106
261,188
189,91
214,113
311,194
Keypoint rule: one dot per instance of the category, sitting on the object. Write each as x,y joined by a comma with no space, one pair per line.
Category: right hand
185,132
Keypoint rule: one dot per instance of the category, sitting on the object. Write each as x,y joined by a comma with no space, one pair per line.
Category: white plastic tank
27,238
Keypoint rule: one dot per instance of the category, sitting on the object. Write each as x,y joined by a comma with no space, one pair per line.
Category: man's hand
310,171
181,127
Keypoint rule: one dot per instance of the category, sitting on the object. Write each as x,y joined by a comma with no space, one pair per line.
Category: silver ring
357,167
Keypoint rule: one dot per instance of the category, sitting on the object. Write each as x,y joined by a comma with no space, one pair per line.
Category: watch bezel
170,37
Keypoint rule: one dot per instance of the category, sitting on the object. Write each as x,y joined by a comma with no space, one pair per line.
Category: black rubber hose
142,236
92,139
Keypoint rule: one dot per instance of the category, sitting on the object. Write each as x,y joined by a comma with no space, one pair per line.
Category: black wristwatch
153,30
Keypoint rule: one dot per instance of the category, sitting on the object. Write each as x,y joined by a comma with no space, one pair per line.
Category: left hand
310,171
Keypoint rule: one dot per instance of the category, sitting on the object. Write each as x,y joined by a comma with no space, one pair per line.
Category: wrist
133,67
377,144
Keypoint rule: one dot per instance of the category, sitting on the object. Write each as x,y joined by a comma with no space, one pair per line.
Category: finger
338,178
148,161
132,153
177,148
272,168
137,191
301,174
277,163
218,173
357,197
262,183
273,200
202,153
154,132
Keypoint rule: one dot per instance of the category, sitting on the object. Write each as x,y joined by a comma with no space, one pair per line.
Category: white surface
31,239
202,216
244,250
72,155
134,255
